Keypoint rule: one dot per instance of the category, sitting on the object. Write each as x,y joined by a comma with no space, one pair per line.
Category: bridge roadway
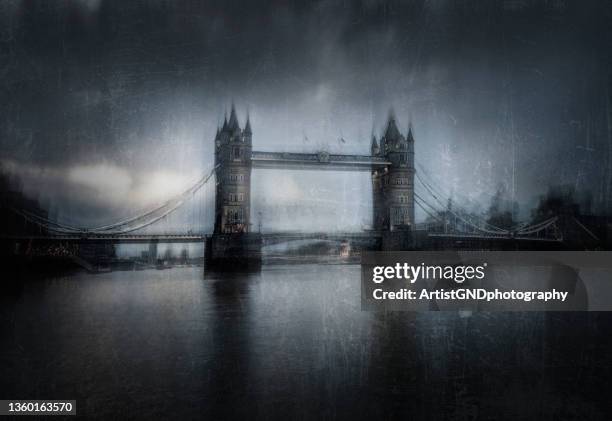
320,161
282,237
492,237
112,238
267,238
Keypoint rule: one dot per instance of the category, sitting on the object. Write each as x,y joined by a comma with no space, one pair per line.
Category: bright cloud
101,185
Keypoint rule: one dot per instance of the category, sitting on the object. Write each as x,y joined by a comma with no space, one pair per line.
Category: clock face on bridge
323,156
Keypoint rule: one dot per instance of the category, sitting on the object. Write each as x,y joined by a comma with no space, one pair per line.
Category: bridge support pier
399,240
233,253
95,256
153,252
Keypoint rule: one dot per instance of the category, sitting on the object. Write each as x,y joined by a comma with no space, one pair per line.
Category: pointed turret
409,136
224,127
233,121
382,146
247,127
374,147
392,132
247,133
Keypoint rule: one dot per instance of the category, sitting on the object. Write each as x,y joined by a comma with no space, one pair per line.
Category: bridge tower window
400,216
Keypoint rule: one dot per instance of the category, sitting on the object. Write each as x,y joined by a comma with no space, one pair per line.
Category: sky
107,107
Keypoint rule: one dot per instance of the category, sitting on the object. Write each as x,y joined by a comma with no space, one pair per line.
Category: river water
290,342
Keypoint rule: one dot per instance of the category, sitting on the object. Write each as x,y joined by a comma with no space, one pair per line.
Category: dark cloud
498,91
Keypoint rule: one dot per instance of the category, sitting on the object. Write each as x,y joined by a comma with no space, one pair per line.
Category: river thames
290,342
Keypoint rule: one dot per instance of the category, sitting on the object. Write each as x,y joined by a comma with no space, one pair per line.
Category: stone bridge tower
393,186
232,247
233,192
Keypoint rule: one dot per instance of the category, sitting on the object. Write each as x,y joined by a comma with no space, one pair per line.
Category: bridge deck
319,161
186,238
112,238
492,237
268,238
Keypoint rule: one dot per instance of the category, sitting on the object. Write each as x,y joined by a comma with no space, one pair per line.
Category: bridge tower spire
393,187
233,160
374,149
232,246
247,128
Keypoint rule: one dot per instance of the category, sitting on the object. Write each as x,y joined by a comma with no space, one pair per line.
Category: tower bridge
391,164
233,243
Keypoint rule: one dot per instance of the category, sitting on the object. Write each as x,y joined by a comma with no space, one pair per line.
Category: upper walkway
320,161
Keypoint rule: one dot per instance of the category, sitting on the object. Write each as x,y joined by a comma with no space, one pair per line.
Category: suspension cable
499,231
167,208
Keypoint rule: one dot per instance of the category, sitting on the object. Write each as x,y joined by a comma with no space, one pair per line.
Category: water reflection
292,342
226,381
